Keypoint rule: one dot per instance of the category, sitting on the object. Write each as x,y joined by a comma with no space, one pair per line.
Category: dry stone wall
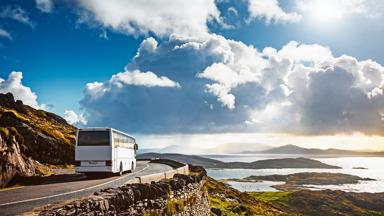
180,195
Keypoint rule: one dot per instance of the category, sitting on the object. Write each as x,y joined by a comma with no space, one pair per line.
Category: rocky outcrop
12,162
181,195
30,138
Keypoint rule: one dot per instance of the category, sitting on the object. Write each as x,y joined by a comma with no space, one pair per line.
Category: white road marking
137,172
70,192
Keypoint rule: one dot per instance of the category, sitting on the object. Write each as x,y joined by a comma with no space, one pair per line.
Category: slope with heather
31,138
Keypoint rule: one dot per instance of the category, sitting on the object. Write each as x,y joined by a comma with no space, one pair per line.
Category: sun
324,11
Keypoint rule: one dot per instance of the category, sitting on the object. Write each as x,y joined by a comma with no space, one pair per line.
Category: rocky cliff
30,138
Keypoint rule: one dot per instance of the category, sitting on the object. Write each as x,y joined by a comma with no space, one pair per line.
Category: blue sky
176,67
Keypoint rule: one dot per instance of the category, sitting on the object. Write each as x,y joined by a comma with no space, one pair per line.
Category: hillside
30,138
225,200
261,164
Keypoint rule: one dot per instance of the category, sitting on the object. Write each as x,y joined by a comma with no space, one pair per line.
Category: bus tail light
108,163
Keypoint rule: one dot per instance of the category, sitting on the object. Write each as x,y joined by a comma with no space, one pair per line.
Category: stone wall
181,195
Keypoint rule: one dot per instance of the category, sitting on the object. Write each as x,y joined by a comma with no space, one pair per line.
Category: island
298,181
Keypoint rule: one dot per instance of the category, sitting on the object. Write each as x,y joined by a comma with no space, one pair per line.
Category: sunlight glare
325,11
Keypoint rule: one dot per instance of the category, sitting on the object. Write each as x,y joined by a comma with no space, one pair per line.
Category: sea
374,168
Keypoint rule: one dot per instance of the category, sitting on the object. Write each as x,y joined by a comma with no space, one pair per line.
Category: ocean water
374,169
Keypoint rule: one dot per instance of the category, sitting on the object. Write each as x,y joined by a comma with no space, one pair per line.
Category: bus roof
104,129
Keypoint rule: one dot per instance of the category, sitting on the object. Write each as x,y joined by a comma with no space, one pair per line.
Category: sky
199,73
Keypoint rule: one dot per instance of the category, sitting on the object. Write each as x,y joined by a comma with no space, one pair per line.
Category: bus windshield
93,138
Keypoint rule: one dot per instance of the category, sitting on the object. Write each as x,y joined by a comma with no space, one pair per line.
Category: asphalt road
21,199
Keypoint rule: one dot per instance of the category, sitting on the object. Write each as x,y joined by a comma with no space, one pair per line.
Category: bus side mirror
136,147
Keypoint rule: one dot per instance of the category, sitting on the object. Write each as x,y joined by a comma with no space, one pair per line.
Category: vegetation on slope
225,200
46,137
31,139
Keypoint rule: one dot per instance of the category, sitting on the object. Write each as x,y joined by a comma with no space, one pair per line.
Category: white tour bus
104,150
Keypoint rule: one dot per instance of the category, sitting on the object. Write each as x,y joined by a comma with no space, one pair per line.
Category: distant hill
189,159
235,148
261,164
229,148
293,149
30,138
180,149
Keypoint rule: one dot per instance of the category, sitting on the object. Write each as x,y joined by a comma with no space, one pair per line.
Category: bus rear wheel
132,167
121,169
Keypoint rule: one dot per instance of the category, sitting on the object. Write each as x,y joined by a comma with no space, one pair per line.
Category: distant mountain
261,164
293,149
180,149
235,148
189,159
287,149
229,148
30,138
142,151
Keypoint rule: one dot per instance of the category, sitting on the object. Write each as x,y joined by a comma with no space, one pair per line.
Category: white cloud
16,13
129,78
73,118
5,34
160,17
45,6
14,85
305,53
338,9
271,12
323,11
226,79
147,79
223,94
301,88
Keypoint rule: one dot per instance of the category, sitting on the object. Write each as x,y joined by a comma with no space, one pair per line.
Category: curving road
17,200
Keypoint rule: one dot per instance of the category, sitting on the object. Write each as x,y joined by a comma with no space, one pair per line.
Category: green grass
269,197
40,121
174,206
233,202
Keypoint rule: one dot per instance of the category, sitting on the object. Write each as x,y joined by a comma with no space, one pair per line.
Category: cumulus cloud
45,6
73,118
147,79
271,12
228,86
14,85
189,108
160,17
129,78
305,53
16,13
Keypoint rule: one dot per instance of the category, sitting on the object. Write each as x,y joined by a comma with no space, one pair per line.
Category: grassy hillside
225,200
30,139
229,201
46,137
